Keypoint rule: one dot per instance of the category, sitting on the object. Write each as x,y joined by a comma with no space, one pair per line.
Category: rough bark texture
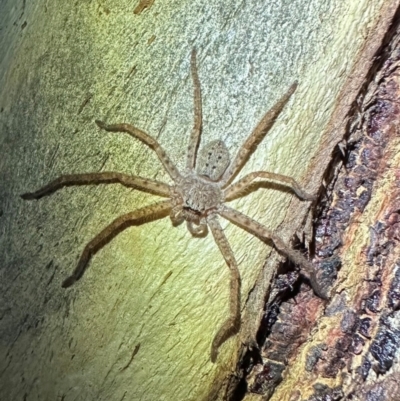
348,348
139,324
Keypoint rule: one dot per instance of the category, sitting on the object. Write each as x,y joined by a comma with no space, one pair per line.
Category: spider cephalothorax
196,196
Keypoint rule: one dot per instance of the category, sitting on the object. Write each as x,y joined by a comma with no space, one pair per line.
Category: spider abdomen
212,160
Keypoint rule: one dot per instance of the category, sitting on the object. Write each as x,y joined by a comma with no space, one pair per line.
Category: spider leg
256,137
147,140
257,229
196,131
136,218
242,186
143,184
232,324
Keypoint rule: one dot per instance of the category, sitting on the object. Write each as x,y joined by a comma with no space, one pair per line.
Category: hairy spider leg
147,140
258,134
194,139
232,324
143,184
140,216
257,229
241,188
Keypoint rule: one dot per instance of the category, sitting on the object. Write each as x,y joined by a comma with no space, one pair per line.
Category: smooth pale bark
140,323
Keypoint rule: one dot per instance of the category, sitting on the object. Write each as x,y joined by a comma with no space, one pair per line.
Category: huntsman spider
197,196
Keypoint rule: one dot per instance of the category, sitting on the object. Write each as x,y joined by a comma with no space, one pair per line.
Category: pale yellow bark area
139,324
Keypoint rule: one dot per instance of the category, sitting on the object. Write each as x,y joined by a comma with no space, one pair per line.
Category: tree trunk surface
140,322
349,347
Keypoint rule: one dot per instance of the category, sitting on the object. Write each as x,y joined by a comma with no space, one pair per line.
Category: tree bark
140,322
347,348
